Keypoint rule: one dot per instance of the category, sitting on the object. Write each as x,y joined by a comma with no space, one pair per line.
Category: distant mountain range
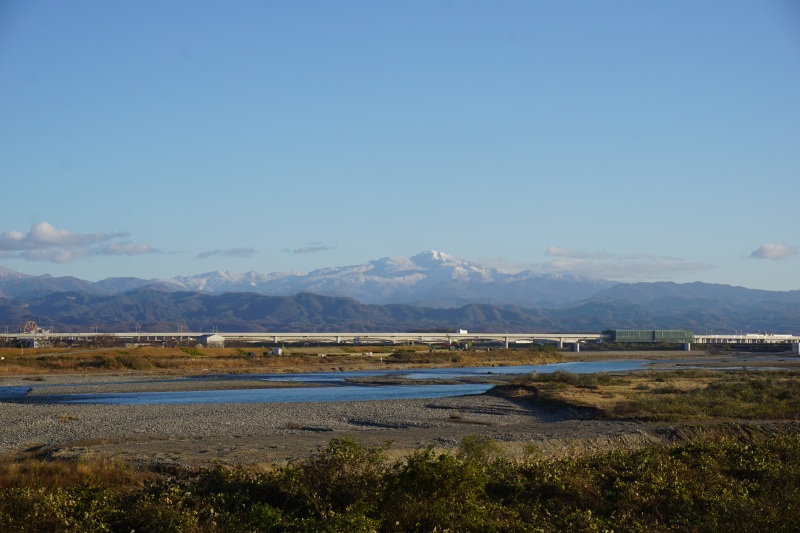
428,291
431,279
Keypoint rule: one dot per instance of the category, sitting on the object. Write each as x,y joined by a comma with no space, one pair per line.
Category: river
323,386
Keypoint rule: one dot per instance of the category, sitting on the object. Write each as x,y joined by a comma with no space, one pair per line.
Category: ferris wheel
30,326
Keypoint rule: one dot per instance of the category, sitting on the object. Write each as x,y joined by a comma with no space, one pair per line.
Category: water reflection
346,393
576,367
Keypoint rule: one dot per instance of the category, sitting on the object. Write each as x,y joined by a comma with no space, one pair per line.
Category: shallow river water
336,387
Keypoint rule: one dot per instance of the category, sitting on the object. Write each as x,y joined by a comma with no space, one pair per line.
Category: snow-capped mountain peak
432,257
443,266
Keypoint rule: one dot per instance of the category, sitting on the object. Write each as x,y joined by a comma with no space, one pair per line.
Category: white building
212,341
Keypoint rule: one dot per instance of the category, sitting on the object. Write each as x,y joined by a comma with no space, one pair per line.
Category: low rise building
212,341
650,335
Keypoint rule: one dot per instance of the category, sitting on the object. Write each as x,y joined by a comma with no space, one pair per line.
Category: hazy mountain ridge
665,290
157,310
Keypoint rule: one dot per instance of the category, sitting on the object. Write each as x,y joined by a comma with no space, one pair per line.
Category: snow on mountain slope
430,278
7,274
217,282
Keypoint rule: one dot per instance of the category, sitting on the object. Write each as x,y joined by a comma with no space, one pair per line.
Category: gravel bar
233,433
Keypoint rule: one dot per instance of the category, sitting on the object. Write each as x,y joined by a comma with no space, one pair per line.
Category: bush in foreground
705,485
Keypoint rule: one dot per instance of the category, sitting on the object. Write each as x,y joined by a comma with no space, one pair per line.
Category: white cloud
503,264
602,264
43,236
53,255
556,251
310,248
232,252
12,240
774,252
45,242
126,248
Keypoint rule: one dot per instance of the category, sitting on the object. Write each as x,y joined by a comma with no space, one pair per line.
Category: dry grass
36,469
670,395
296,359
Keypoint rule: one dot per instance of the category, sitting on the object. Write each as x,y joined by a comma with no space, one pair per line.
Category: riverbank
197,434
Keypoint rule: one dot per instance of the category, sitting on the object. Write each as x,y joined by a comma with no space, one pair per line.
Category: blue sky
636,141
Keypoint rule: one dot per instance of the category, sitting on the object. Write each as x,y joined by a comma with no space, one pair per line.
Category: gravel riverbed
273,432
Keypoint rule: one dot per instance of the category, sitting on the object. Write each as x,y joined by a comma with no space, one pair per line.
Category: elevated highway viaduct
506,339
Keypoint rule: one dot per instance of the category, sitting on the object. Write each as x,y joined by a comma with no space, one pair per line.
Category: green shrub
479,448
430,492
562,377
346,476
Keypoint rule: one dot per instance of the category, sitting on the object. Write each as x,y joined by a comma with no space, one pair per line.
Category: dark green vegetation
706,485
698,307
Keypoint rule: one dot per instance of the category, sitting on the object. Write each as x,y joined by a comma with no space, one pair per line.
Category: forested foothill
155,310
